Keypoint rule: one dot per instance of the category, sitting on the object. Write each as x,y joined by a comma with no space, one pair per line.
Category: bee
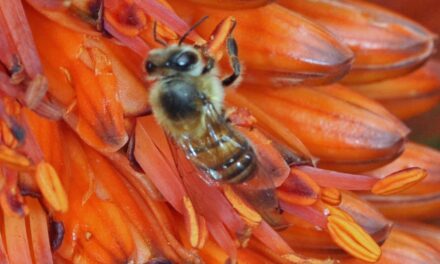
187,101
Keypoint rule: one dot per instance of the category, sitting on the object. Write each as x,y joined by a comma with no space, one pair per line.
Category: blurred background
425,128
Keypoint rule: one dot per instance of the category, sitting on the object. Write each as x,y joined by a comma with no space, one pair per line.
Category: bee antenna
158,40
191,29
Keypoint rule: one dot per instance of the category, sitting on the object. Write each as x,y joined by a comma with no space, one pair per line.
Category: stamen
51,187
203,232
331,196
399,181
191,221
297,259
352,238
338,212
251,216
7,137
13,159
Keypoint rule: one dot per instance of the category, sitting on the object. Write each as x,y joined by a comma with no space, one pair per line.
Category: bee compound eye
149,66
185,60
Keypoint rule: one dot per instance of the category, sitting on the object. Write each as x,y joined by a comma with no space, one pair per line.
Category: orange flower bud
422,200
415,155
408,95
385,44
333,125
316,57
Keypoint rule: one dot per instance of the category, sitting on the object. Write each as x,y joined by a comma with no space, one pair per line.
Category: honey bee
187,101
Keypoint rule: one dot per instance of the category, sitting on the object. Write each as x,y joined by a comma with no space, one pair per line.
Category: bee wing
184,168
212,150
260,190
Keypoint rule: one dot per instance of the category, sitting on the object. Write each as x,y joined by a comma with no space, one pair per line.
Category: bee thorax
179,100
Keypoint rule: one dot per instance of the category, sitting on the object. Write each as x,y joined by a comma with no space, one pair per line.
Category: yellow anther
353,239
399,181
51,187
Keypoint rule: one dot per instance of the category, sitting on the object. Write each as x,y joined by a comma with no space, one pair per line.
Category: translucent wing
224,155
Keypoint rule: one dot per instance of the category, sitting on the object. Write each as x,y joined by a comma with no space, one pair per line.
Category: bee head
172,60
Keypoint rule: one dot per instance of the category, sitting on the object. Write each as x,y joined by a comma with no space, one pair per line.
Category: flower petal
18,249
39,232
299,189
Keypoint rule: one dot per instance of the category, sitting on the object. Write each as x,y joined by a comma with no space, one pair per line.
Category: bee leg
130,153
209,65
233,58
148,111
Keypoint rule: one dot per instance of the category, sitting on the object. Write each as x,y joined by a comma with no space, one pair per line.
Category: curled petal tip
399,181
352,238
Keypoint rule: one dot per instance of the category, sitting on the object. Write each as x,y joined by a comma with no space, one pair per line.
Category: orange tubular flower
88,175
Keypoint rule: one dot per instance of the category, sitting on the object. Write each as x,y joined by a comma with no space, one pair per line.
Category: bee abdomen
239,166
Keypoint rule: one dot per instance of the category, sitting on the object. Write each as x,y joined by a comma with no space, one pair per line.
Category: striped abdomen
223,154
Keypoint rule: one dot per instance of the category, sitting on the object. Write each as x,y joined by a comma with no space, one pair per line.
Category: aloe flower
88,176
